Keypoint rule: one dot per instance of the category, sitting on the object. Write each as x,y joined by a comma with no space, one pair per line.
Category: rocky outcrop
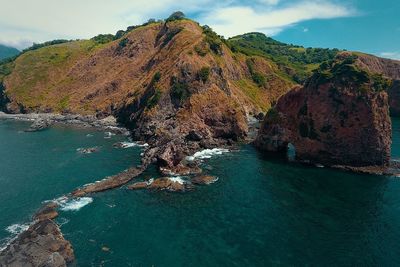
109,182
394,98
41,245
340,117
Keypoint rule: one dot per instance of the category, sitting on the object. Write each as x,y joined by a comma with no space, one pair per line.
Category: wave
108,135
132,144
207,153
73,204
177,179
16,229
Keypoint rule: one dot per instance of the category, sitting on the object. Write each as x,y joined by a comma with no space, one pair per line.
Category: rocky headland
339,118
181,88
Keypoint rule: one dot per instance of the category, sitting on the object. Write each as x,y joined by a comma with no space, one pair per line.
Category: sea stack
339,117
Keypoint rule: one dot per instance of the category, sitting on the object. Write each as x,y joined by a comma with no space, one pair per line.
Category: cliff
339,117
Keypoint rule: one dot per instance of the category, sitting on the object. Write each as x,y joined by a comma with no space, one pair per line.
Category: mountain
177,85
166,81
7,52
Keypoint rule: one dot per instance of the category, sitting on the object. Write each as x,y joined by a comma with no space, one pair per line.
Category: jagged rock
138,185
204,180
194,136
340,117
39,125
48,211
109,182
169,184
89,150
394,98
41,245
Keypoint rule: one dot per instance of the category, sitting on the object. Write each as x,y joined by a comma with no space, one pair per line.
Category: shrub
203,74
213,40
257,77
153,101
179,90
123,43
103,38
178,15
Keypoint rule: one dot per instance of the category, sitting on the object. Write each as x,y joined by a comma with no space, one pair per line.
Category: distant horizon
354,25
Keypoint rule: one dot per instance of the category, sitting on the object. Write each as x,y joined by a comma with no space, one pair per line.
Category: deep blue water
261,212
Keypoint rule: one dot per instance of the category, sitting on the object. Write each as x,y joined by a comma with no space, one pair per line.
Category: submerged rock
204,180
340,117
89,150
41,245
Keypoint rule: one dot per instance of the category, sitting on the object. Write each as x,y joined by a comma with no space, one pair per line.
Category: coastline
45,120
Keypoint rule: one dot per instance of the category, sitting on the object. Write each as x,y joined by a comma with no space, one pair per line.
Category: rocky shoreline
41,121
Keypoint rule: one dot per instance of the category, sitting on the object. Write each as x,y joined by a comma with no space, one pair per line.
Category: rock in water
339,117
39,125
41,245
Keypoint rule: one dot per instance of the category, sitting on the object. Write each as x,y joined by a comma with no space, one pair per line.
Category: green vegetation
213,40
103,38
45,44
257,77
179,90
344,72
204,74
296,61
178,15
153,101
201,49
170,35
123,43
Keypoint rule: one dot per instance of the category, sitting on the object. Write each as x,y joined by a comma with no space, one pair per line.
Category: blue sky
370,26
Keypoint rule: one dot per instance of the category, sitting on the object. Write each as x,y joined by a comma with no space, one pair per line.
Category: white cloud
392,55
23,22
232,21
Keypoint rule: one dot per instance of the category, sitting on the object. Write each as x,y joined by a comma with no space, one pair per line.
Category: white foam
108,135
16,229
207,153
177,179
75,204
89,135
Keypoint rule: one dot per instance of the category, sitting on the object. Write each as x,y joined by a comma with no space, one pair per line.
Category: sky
371,26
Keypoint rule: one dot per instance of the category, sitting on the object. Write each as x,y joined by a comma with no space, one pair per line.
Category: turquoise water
261,212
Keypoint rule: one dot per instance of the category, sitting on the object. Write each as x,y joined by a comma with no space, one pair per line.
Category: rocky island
339,117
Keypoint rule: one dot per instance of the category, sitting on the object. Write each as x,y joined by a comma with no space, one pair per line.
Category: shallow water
261,211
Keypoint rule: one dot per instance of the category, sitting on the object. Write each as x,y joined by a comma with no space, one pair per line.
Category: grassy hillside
7,52
108,72
296,61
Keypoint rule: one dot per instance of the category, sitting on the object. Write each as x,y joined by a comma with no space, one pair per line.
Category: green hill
6,51
296,61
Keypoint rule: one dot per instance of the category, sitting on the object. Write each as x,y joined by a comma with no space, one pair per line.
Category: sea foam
16,229
74,204
132,144
207,153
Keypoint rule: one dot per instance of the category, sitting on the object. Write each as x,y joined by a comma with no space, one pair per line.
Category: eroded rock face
41,245
340,117
394,98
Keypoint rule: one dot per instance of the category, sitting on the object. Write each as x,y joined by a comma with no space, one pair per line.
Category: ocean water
261,211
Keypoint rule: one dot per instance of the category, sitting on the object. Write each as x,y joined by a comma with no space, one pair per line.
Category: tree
176,16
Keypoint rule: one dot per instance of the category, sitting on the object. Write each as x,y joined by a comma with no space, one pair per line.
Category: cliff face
167,82
340,117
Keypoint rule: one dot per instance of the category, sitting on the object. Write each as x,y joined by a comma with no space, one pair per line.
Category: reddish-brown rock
340,117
